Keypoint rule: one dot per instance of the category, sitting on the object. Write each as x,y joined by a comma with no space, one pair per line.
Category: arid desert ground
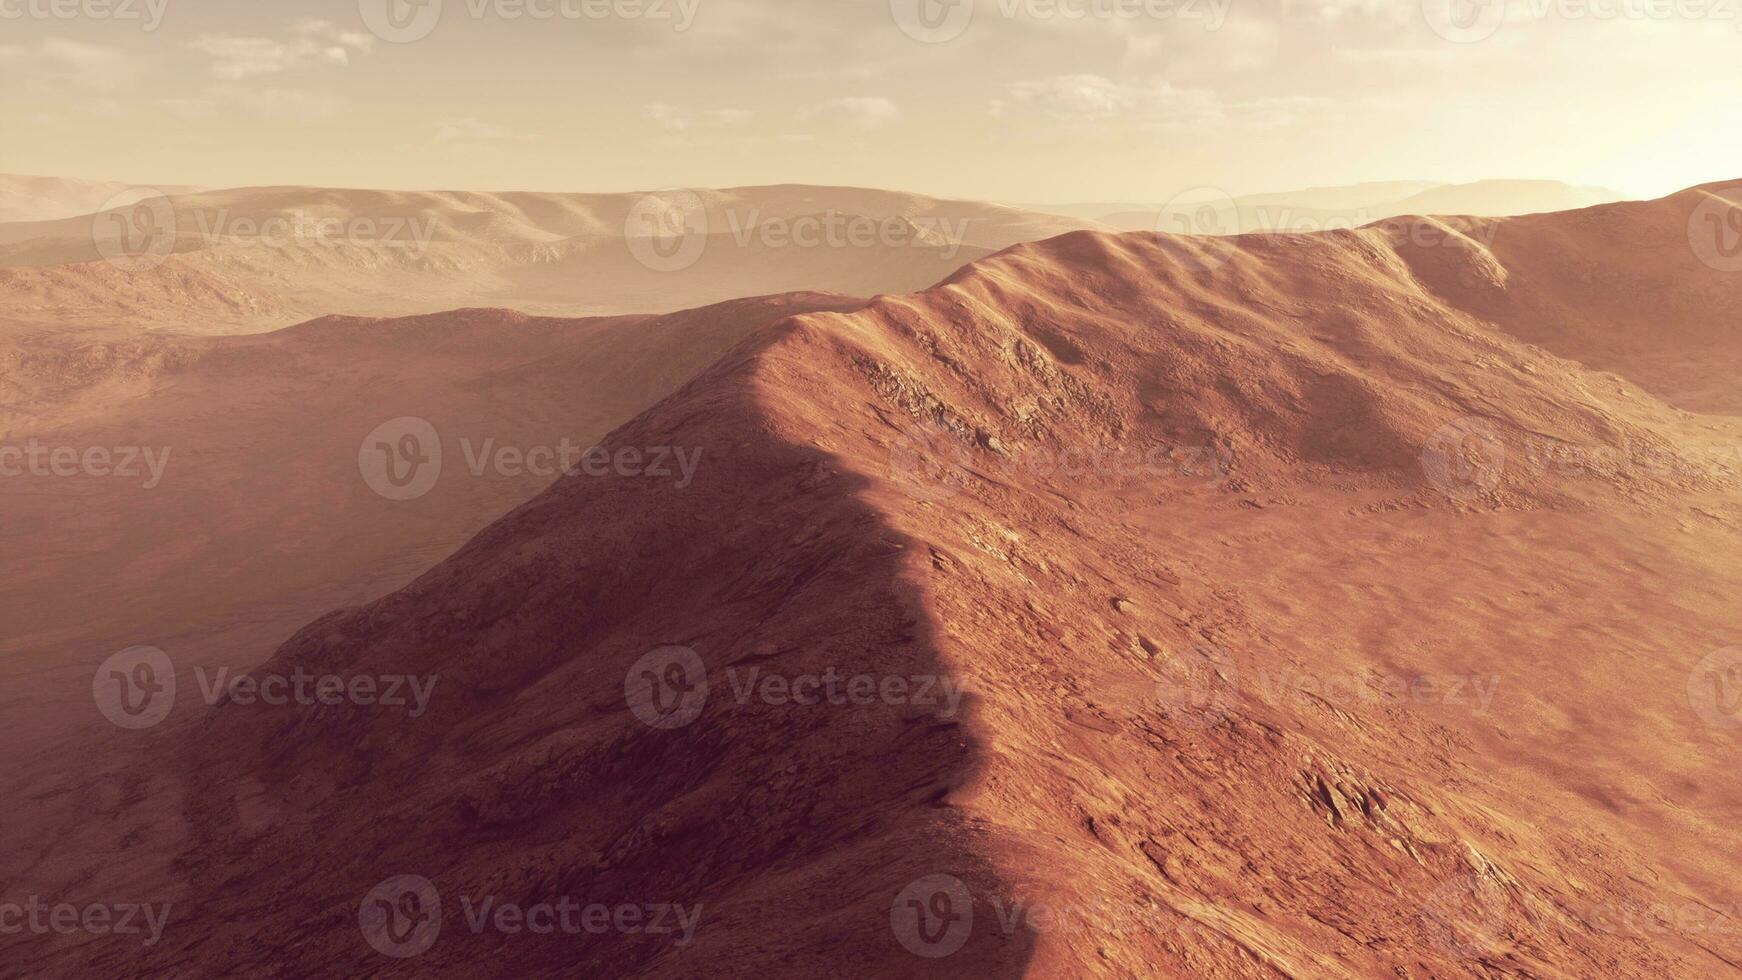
799,580
885,489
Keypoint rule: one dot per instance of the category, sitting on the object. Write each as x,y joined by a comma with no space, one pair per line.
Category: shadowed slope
1315,625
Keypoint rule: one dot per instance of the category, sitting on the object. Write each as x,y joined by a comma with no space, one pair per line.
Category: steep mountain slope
250,258
1312,623
231,506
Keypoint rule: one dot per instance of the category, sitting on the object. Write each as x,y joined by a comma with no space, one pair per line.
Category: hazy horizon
1079,202
1012,100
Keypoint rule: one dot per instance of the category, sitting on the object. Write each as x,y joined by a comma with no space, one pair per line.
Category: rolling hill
1295,605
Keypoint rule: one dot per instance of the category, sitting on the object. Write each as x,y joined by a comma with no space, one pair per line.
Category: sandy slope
260,257
261,521
1267,678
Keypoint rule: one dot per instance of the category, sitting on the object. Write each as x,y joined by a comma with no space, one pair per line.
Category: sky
1038,101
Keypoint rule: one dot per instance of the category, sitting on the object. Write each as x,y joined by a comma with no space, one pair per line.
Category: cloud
58,63
1153,104
1089,98
471,130
858,112
1337,11
1400,59
678,118
313,42
278,103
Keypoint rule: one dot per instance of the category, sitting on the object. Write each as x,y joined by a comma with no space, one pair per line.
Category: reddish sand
1326,605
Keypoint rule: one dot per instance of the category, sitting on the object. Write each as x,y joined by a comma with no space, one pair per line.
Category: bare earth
1292,605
